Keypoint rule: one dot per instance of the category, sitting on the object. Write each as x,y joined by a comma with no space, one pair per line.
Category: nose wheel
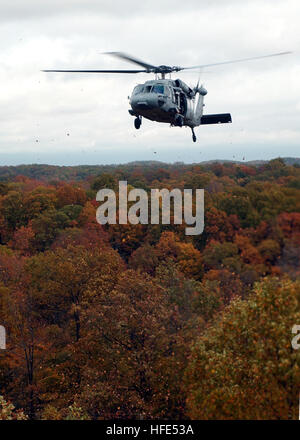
193,135
138,122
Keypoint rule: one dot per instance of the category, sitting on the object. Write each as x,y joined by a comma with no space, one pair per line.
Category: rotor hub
166,69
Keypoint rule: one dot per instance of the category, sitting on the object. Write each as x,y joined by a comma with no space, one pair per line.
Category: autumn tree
244,366
70,195
8,411
105,180
187,257
27,343
133,352
61,278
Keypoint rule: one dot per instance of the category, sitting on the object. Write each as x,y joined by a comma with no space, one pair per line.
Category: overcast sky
70,119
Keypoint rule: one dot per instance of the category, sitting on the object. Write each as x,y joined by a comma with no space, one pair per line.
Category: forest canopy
142,321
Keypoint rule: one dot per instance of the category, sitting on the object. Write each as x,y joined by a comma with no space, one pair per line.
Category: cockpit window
138,89
147,89
158,89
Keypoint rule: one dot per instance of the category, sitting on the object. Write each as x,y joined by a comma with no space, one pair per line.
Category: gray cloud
32,9
263,96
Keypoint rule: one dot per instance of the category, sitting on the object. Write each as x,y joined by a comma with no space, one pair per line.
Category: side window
173,96
147,89
177,99
167,91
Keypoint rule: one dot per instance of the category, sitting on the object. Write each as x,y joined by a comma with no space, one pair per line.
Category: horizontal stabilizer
221,118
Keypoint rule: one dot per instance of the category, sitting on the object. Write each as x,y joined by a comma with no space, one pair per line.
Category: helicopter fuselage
167,100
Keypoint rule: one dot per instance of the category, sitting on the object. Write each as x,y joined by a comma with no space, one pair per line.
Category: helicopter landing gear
179,120
138,122
193,135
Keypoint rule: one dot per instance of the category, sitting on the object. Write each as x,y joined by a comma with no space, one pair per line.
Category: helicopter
166,100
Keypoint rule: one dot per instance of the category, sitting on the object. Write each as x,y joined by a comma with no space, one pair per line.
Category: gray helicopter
167,100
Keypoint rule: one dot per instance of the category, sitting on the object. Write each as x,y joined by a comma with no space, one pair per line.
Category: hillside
46,172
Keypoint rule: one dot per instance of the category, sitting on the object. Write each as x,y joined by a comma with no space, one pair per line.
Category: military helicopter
167,100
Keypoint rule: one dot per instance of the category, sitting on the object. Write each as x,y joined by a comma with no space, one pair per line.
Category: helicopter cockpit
156,88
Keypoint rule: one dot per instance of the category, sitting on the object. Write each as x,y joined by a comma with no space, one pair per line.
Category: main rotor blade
97,71
131,59
236,61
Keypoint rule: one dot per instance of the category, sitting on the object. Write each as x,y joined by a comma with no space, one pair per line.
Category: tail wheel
137,123
193,135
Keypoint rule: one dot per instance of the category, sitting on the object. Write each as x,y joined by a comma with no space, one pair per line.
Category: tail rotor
200,88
